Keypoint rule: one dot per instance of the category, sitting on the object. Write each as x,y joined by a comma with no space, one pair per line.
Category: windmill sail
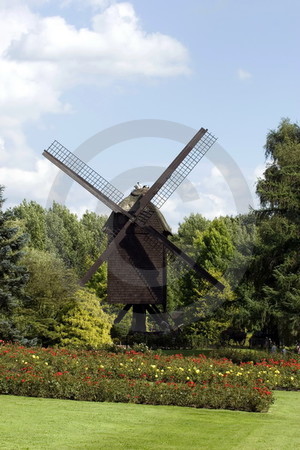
84,175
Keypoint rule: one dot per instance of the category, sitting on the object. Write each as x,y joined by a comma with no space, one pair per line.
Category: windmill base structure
138,243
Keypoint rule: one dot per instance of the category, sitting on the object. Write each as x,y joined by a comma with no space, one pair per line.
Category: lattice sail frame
184,169
71,161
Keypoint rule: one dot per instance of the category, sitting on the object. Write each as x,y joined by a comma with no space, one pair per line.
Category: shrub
140,378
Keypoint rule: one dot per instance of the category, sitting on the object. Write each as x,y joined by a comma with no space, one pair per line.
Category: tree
95,235
86,325
277,264
67,237
33,217
78,242
188,229
279,189
49,294
213,247
13,275
203,305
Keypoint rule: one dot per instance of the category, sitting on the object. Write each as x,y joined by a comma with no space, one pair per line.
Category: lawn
36,423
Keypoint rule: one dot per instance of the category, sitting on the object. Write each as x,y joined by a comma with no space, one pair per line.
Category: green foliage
187,230
85,325
213,247
276,268
13,275
57,230
98,282
33,218
50,293
67,237
279,189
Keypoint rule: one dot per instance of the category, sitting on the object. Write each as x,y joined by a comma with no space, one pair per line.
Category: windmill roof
128,202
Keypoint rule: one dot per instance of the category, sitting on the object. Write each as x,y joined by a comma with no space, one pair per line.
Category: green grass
36,423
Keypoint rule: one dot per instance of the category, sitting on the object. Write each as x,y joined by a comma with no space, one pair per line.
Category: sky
148,74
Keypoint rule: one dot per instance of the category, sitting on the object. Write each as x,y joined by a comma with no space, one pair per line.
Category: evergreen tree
276,268
86,325
13,275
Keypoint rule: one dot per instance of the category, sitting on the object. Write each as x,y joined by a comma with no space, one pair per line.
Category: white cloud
244,74
42,57
33,184
114,46
214,199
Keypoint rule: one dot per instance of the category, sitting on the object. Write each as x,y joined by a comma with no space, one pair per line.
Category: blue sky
71,69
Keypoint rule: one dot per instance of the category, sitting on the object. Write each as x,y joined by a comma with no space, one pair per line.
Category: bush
238,356
140,378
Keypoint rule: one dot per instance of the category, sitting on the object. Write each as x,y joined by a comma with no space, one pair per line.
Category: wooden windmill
138,234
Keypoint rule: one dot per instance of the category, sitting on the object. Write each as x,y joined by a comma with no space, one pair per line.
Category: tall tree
279,189
13,275
277,264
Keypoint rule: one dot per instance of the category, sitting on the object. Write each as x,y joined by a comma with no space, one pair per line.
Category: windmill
138,243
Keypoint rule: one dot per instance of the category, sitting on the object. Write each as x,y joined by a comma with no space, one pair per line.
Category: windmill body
136,269
138,233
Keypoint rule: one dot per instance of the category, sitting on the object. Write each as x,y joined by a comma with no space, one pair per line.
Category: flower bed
144,378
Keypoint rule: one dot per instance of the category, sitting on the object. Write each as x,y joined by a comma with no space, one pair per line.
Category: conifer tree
13,276
276,271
